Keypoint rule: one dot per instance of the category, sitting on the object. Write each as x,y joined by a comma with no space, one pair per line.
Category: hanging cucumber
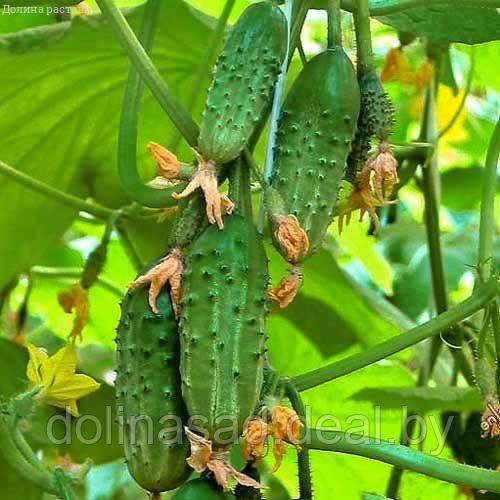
148,390
373,177
243,82
313,140
222,328
222,321
241,90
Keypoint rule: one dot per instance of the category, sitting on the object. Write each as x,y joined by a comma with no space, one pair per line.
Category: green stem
302,53
386,7
482,296
129,247
206,62
290,6
15,458
364,50
404,457
461,105
55,194
73,272
127,141
487,217
148,71
334,24
304,466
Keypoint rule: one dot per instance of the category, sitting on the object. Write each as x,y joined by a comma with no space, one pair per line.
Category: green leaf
461,188
423,399
59,119
338,316
447,23
447,75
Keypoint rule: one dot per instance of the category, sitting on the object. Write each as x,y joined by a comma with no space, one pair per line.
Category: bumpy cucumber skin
243,82
314,138
222,328
376,119
201,489
148,384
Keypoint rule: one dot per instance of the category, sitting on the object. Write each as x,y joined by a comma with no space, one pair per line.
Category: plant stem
302,53
461,105
406,458
73,272
127,139
364,50
275,112
482,296
55,194
305,485
123,32
487,217
206,63
334,24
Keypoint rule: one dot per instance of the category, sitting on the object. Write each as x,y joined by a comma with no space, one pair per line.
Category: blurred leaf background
59,111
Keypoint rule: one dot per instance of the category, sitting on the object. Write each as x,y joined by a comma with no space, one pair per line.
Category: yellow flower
61,386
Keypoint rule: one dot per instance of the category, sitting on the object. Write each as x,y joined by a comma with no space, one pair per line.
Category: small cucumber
148,387
376,119
314,138
243,82
222,328
201,489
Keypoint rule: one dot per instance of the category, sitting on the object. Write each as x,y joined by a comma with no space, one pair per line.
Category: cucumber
201,489
222,328
243,82
314,139
148,387
376,119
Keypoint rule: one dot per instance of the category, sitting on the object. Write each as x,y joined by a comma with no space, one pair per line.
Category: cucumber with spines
148,388
222,328
376,120
314,138
243,82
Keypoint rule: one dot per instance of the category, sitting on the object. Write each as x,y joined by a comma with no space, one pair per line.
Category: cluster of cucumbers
210,363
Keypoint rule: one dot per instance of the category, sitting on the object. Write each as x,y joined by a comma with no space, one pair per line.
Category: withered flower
169,270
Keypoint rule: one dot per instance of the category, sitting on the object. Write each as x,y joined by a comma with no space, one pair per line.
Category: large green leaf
337,315
446,23
59,118
423,399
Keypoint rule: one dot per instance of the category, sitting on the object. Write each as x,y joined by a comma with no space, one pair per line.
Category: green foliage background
60,103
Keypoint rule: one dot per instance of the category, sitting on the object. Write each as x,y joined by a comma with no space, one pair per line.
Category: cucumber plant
195,348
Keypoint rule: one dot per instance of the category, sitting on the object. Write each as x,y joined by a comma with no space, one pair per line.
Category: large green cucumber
148,390
222,328
243,82
314,138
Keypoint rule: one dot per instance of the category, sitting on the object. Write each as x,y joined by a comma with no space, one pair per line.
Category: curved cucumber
222,328
148,391
243,82
314,138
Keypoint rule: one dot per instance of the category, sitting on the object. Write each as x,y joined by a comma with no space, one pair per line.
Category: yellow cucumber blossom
61,386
